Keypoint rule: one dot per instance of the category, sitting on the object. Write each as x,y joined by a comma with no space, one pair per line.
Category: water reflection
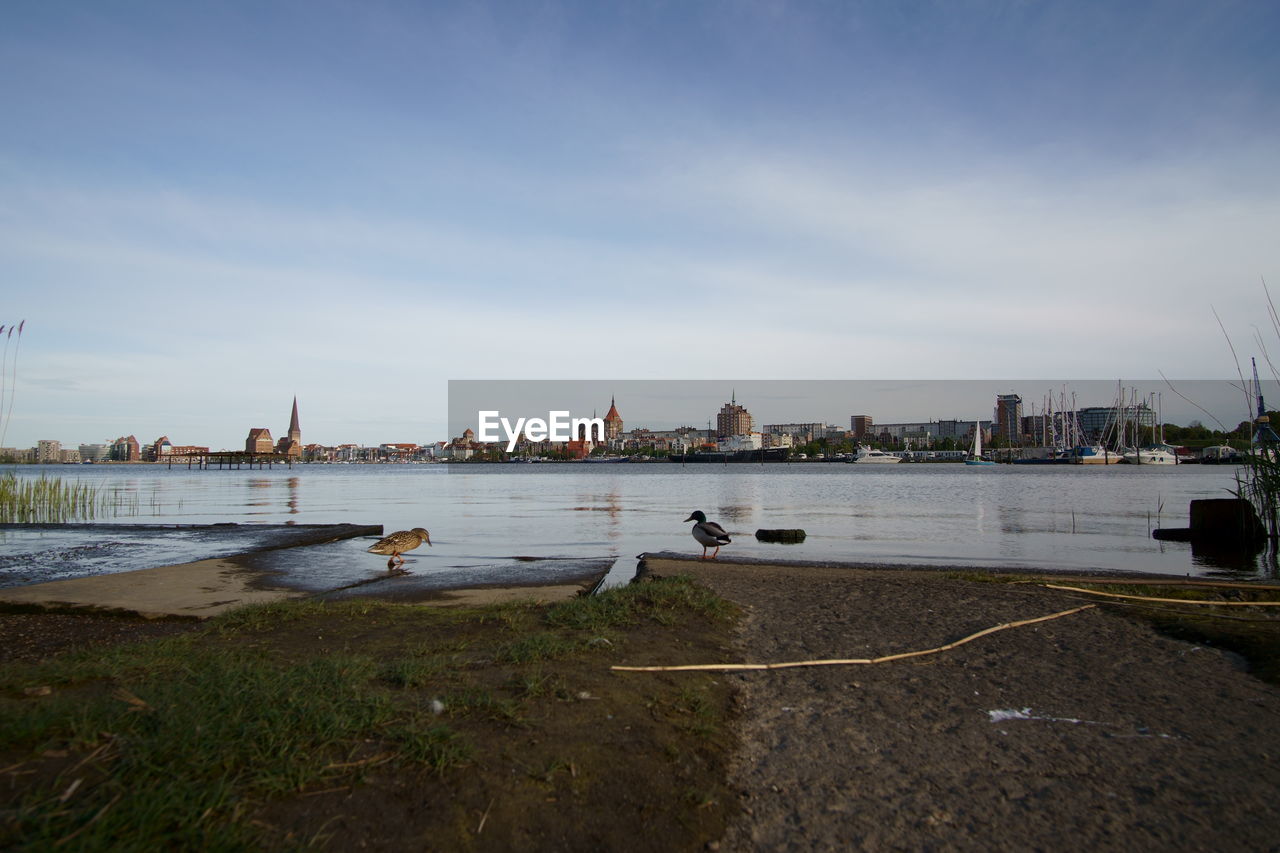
1019,516
1234,561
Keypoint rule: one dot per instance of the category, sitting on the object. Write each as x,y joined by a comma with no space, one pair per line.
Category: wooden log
782,534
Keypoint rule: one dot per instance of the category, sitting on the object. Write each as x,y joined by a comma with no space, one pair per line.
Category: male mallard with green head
708,534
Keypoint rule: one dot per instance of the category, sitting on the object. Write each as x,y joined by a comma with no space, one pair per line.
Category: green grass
277,699
1252,633
627,605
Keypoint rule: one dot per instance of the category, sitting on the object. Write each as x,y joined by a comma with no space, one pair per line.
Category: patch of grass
660,601
536,683
186,742
540,646
703,718
985,577
483,703
421,740
1250,633
412,671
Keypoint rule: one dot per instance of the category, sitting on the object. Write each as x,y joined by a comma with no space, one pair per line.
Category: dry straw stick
735,667
1167,600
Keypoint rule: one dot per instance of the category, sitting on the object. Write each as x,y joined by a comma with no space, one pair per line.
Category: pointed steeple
295,431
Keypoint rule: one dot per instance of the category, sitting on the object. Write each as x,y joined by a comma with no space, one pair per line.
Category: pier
230,459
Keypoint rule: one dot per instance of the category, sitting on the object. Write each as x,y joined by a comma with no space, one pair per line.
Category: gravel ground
1086,732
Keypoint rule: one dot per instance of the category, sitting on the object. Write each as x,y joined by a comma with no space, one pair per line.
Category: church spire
295,431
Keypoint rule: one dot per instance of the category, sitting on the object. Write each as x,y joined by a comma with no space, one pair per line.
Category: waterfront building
778,439
291,444
1101,423
1037,430
48,451
398,452
1008,418
69,456
926,433
158,450
126,449
733,419
19,455
259,441
800,433
94,452
612,423
861,426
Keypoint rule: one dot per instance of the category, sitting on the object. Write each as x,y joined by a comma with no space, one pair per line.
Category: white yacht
1156,455
866,454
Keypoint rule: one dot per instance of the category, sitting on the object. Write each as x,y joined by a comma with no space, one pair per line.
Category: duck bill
691,518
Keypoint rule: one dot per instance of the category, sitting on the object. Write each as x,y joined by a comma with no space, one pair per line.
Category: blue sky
208,208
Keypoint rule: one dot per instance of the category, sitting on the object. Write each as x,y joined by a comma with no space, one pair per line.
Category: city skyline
671,404
208,207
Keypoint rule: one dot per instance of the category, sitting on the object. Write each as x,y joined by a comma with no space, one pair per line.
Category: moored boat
1157,455
1093,454
867,455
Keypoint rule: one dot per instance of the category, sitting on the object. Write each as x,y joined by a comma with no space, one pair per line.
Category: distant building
259,441
48,452
291,444
800,433
612,423
733,420
158,449
94,452
126,449
1037,430
1008,418
1100,422
777,439
925,433
861,426
69,457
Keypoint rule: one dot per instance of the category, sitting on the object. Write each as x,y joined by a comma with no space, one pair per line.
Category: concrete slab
197,590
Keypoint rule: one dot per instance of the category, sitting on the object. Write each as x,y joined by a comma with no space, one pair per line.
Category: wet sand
209,587
201,589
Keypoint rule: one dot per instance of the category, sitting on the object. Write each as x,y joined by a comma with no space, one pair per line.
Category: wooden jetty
232,459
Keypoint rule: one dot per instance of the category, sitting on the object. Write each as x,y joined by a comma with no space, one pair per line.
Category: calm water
1045,517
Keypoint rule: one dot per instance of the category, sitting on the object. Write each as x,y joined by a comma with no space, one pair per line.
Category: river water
1033,517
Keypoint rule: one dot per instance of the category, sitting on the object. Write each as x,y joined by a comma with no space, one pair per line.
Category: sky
209,208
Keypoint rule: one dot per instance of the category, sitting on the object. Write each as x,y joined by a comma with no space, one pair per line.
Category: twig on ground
1166,600
734,667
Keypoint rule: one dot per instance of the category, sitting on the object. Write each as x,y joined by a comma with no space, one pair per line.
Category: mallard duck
399,542
708,533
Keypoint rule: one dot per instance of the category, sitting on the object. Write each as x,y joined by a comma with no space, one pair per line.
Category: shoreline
1093,721
206,588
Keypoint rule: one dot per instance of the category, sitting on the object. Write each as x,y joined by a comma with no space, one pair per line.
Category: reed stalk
50,500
